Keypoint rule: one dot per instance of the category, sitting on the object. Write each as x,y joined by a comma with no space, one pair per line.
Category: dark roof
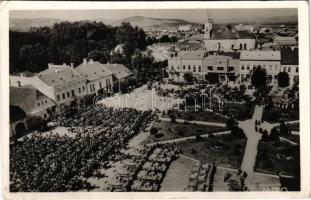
234,55
245,35
93,71
223,34
289,56
25,97
227,33
16,113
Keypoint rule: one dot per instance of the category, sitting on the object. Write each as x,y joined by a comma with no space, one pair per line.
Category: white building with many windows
63,83
183,62
268,60
98,76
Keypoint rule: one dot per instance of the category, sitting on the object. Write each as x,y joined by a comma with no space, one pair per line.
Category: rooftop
119,70
58,75
260,55
191,55
93,70
25,97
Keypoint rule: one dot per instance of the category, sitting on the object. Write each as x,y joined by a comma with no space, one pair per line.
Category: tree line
70,42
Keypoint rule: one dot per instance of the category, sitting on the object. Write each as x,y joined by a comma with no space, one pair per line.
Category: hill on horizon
23,24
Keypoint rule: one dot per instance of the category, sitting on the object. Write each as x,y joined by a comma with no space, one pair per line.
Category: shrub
36,123
159,135
193,151
153,130
198,138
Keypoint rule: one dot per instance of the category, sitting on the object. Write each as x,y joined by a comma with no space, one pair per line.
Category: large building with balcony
200,64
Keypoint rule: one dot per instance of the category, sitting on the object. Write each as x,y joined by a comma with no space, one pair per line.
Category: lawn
192,115
274,115
177,176
277,156
294,138
226,151
168,130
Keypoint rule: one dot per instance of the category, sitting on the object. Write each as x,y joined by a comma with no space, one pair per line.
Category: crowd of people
58,163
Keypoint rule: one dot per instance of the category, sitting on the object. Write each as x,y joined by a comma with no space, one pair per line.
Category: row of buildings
232,55
40,94
230,66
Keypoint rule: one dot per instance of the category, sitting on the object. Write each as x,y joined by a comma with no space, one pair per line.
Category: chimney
64,64
292,48
84,61
91,61
22,74
50,65
71,65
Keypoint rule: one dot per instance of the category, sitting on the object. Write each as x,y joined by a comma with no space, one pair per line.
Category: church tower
208,27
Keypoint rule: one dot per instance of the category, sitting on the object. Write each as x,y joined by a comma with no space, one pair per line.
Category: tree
153,130
212,78
274,134
283,79
100,56
259,78
188,76
284,129
36,123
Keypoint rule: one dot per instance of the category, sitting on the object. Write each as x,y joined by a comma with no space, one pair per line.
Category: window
297,70
210,68
200,69
100,85
247,68
45,116
63,95
230,68
68,94
288,69
184,67
19,83
92,88
83,88
194,69
189,68
242,67
177,67
38,104
58,97
46,101
79,90
220,68
72,92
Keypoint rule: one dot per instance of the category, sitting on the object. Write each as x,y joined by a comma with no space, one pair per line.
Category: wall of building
94,86
272,67
64,92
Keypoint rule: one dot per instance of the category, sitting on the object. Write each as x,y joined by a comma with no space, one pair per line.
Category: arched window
245,46
241,46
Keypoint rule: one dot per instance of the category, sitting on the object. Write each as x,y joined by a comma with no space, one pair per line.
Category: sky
192,15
